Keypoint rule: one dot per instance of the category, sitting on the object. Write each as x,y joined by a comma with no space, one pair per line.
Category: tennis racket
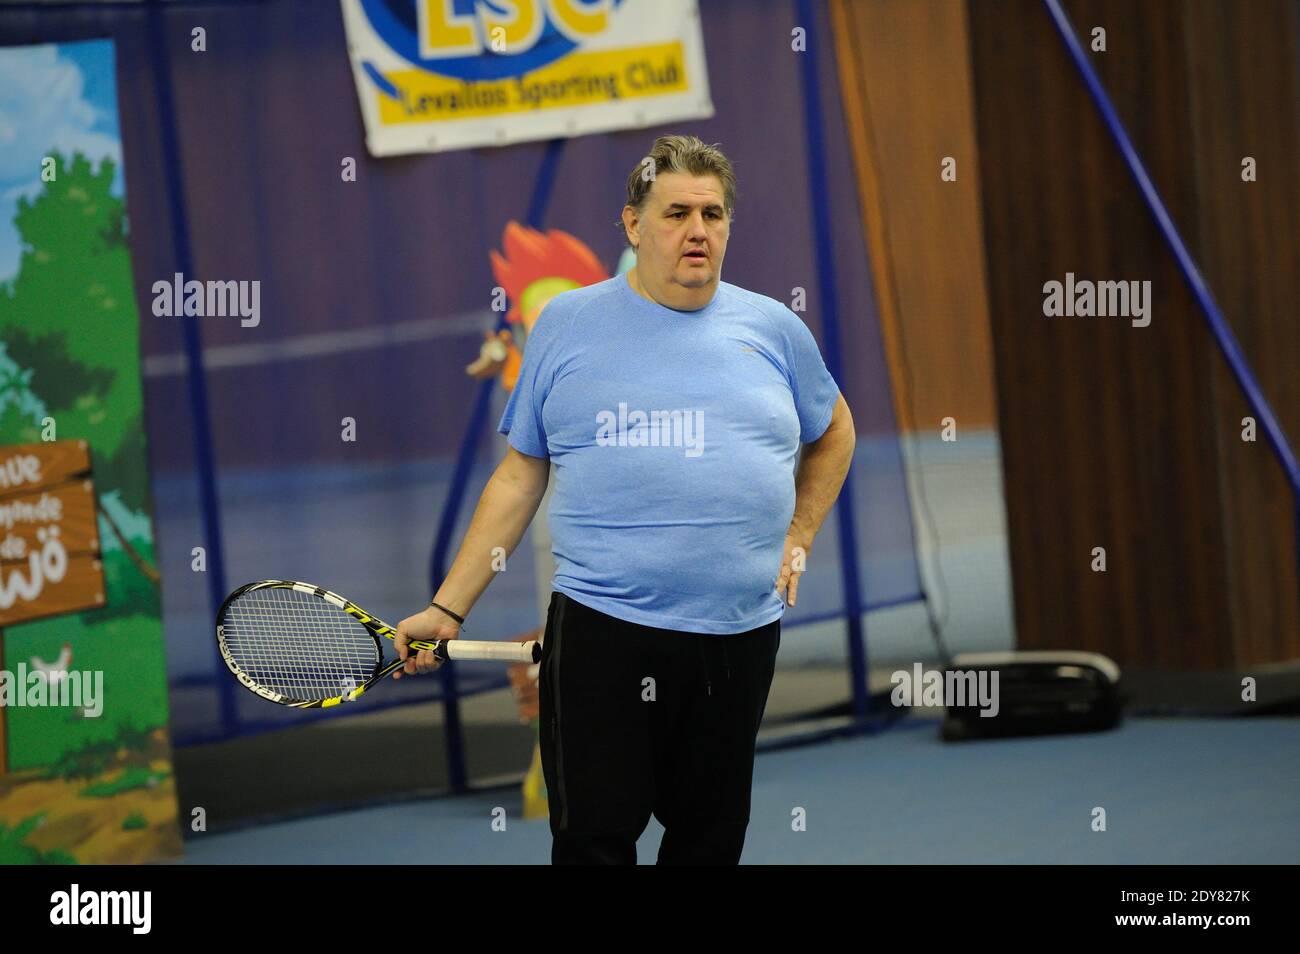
305,647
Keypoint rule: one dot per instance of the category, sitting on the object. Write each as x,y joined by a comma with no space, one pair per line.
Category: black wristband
456,616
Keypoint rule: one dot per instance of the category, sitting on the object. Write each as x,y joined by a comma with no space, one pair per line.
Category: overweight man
674,407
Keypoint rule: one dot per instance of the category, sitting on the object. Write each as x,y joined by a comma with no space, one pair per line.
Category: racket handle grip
497,650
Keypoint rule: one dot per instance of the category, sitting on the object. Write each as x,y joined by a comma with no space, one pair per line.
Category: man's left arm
822,469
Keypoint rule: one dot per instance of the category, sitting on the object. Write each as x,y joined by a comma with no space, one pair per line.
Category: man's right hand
433,624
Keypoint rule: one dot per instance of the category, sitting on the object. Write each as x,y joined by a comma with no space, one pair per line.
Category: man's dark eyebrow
683,205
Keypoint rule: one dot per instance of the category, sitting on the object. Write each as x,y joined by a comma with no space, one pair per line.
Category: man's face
682,232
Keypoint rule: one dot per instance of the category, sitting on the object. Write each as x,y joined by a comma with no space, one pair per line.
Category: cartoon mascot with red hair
534,269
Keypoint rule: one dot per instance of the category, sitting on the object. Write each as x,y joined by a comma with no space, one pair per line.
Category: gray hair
682,154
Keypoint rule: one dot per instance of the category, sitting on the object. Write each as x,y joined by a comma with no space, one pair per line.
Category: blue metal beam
824,252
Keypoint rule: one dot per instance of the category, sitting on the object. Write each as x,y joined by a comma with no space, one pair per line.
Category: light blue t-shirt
674,436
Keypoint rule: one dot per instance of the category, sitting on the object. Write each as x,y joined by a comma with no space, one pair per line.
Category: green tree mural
87,780
74,284
69,349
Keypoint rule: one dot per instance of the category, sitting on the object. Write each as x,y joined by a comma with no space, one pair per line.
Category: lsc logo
450,37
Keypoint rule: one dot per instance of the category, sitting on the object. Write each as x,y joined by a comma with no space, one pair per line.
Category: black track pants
637,720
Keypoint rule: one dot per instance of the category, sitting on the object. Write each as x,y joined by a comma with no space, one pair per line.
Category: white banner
435,75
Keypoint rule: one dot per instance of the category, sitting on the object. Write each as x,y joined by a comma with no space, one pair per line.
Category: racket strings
298,645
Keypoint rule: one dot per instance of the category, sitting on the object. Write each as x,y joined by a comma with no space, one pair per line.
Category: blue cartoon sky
54,96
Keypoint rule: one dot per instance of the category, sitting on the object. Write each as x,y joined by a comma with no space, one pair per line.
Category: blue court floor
1174,791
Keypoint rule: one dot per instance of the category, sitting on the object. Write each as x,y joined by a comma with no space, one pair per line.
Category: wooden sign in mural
49,536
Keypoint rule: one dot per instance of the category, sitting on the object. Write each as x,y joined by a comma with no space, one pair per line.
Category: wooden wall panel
1244,92
906,85
1113,435
1106,436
